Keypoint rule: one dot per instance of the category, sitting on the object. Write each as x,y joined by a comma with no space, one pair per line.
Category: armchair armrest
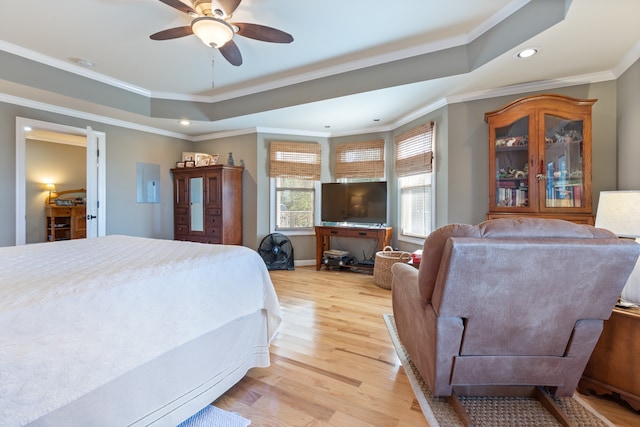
404,272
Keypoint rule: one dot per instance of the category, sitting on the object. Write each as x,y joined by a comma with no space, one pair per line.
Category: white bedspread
76,314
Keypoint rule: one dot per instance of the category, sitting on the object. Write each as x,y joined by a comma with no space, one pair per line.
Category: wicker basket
382,267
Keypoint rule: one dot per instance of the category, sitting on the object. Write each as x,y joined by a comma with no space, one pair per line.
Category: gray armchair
509,302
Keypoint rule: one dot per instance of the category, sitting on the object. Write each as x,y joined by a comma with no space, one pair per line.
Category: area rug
490,411
211,416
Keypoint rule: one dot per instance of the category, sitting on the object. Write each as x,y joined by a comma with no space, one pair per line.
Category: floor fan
277,252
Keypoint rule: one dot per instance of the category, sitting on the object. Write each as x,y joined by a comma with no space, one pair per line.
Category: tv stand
325,233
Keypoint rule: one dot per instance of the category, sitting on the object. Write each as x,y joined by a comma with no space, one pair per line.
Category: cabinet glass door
196,205
512,165
563,163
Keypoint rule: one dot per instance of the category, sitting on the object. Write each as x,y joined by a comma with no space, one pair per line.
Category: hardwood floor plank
323,372
333,363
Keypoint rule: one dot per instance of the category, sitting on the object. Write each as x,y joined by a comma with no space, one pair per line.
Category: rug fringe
422,401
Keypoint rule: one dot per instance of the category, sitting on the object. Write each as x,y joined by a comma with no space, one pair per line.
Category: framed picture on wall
214,159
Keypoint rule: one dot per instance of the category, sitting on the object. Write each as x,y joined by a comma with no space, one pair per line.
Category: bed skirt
171,388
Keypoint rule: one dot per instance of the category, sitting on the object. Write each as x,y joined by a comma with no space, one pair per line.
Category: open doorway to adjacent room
52,157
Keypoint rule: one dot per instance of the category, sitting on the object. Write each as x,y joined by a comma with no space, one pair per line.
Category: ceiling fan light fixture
212,31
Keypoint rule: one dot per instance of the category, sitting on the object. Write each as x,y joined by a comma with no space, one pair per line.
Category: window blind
294,160
360,159
414,150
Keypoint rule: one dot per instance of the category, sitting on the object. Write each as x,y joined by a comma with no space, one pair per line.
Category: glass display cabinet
540,158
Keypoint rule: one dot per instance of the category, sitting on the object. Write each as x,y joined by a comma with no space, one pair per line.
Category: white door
92,183
96,191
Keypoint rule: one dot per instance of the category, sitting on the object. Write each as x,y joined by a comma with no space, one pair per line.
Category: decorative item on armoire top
230,161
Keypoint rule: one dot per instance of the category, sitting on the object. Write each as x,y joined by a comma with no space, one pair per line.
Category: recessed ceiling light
528,52
185,122
84,62
27,129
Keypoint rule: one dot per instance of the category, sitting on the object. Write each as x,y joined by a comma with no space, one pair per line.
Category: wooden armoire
208,204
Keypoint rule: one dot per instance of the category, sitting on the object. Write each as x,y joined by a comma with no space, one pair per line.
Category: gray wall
468,174
628,125
461,162
124,148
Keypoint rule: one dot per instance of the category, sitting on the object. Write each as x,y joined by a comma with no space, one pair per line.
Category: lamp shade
619,212
212,31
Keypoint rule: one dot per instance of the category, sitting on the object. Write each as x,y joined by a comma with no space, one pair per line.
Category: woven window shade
414,150
294,160
360,159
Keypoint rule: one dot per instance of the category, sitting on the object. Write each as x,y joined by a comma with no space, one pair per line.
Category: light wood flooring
333,364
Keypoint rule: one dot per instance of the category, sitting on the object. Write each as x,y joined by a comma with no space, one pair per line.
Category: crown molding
71,68
415,115
627,60
23,102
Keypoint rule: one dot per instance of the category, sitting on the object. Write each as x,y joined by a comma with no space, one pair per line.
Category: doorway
95,171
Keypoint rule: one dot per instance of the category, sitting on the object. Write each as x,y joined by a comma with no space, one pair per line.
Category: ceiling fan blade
172,33
262,33
229,6
177,4
231,53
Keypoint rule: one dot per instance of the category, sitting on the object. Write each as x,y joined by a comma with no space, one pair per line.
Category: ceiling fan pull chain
213,57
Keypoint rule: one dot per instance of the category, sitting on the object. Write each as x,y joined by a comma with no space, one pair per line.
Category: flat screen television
357,202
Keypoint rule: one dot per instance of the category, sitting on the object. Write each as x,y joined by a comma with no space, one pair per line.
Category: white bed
120,331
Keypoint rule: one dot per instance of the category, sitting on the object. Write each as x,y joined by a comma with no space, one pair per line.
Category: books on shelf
565,196
512,196
335,253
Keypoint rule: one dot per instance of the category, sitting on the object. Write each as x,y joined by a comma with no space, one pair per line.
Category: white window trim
411,239
272,211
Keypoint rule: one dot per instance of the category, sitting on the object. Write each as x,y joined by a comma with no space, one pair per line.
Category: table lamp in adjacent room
51,188
619,212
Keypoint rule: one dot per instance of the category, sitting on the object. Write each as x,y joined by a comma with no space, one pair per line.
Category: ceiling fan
211,24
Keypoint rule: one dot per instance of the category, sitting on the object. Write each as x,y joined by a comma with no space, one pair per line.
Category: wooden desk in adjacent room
325,233
613,367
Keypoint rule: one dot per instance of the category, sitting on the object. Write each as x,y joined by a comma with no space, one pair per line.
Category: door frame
95,169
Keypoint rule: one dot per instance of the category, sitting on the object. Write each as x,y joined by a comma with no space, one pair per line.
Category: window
295,202
414,169
295,175
415,205
360,161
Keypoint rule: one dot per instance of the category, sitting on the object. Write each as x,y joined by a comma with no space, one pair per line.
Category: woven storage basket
382,267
